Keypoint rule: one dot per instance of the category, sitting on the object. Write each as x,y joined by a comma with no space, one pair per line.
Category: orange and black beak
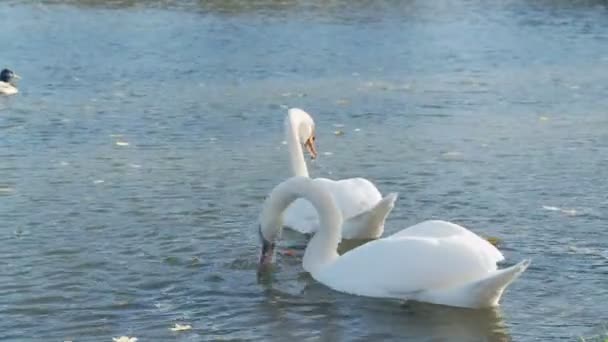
311,147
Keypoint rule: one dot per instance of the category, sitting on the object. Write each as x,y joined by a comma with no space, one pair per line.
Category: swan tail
488,291
370,223
482,293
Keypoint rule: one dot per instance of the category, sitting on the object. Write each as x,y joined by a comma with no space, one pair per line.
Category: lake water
146,135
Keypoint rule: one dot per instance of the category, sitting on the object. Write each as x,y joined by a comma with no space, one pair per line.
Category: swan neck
296,154
322,248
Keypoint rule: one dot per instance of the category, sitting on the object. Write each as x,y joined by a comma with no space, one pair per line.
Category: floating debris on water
452,155
357,129
327,153
6,190
172,260
122,143
339,132
569,212
20,232
124,339
288,94
342,102
179,327
543,118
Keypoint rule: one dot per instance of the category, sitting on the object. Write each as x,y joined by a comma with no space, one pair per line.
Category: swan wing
353,196
402,267
443,229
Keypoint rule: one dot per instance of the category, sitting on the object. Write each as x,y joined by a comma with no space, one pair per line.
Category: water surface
147,133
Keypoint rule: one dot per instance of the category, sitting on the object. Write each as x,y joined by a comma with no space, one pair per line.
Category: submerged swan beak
310,146
267,252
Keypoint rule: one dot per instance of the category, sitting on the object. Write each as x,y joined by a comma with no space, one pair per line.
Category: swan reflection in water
331,316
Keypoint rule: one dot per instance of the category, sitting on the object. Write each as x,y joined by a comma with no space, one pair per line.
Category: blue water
146,135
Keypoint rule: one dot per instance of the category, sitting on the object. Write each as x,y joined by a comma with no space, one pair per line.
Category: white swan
357,198
434,261
6,82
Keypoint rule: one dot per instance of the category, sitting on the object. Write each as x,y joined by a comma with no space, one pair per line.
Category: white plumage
358,199
434,261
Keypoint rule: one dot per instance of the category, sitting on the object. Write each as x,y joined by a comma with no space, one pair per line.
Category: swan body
434,261
443,230
358,199
6,82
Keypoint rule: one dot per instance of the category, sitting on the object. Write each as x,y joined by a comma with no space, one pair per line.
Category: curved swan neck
322,247
295,118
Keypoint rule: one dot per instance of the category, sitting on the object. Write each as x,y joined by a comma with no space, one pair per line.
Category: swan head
7,75
269,229
267,250
305,129
271,217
